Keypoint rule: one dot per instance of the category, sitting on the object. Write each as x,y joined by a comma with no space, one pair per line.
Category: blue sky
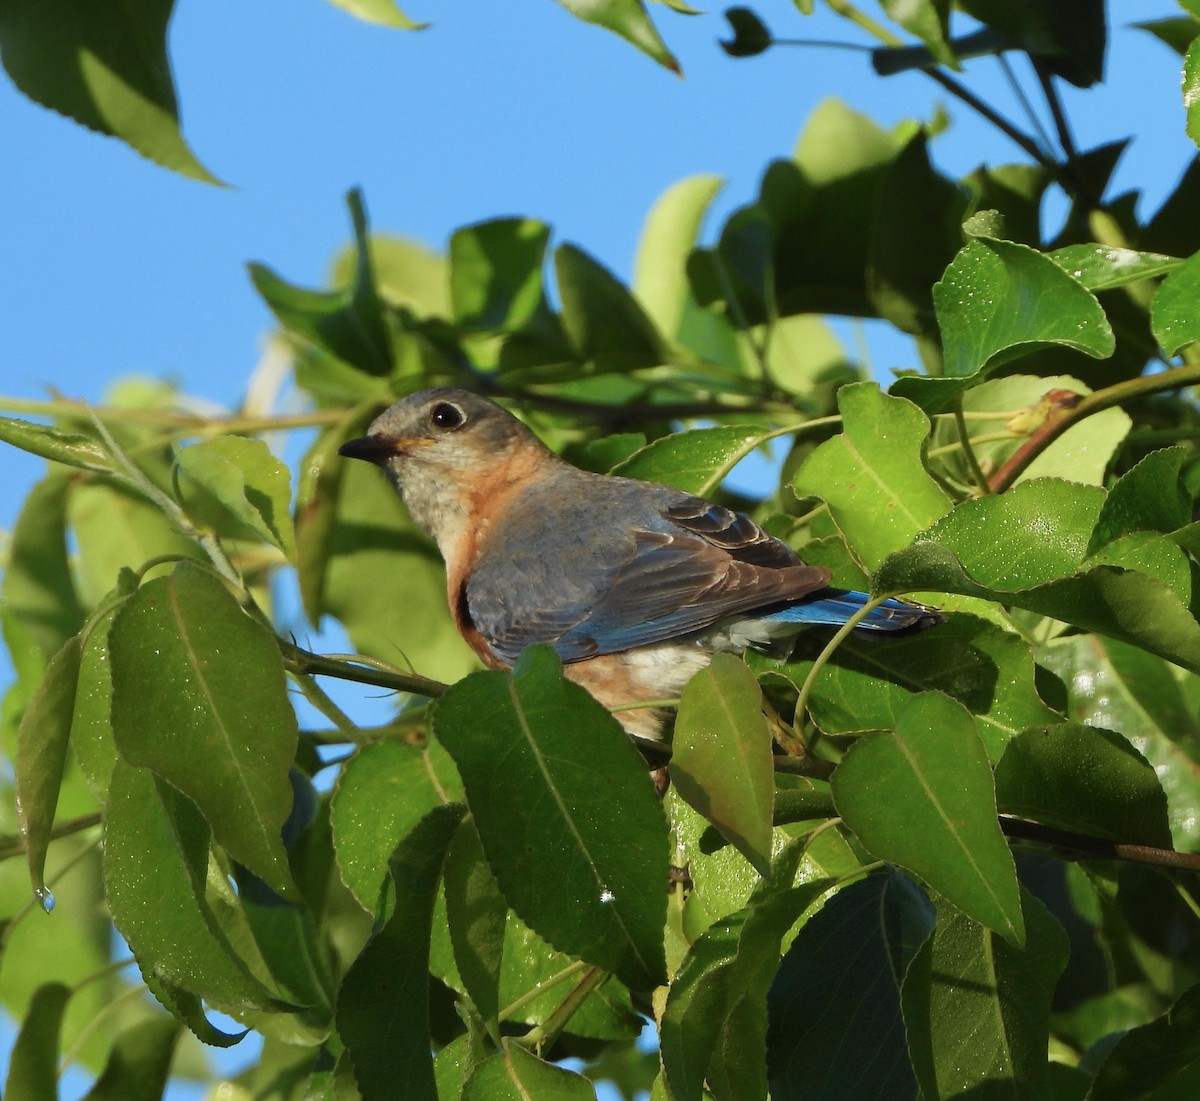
110,266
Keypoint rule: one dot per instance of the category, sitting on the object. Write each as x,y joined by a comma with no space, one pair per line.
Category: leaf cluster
954,862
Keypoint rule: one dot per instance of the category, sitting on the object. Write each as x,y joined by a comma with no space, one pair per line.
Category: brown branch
1097,848
1174,379
298,660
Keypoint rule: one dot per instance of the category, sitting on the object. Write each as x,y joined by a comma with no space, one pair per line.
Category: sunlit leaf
199,696
387,13
1174,316
977,1009
1101,267
41,756
239,479
695,461
627,18
496,273
543,764
721,756
921,796
518,1075
1084,779
872,475
105,65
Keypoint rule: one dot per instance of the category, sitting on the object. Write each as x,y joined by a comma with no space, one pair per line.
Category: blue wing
605,564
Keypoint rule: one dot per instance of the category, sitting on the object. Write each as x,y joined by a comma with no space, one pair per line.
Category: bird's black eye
447,417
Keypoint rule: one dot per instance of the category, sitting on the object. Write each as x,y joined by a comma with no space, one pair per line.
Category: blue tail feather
832,607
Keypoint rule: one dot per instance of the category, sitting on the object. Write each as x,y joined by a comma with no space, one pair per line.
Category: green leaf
721,756
33,1066
604,321
383,791
872,475
199,696
37,589
1039,565
543,765
1177,33
155,864
928,20
41,756
977,1010
384,12
922,797
105,65
911,246
1145,1059
1103,267
239,479
383,1006
998,301
116,527
696,461
869,681
1118,687
627,18
1084,779
835,1029
496,273
68,448
1191,91
476,913
669,234
1080,454
518,1075
140,1062
349,323
91,725
714,1024
1149,497
1174,315
750,34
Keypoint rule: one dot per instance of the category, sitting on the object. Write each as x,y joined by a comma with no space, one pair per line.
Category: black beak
374,449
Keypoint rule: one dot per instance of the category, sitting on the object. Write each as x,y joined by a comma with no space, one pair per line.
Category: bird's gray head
440,429
442,446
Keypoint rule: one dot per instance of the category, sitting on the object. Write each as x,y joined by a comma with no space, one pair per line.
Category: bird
635,585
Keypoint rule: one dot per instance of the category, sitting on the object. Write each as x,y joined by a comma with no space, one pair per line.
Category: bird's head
441,448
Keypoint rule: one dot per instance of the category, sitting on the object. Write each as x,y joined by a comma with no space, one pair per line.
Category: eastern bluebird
635,585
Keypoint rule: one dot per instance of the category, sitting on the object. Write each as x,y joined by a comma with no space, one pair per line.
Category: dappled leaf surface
164,916
977,1009
721,756
921,796
383,1005
999,300
383,792
543,764
695,461
1085,779
199,697
872,475
834,1008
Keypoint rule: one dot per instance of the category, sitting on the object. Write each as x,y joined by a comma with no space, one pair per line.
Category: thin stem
1186,895
1098,848
298,660
32,904
830,649
860,19
543,1037
964,440
1023,99
1061,125
512,1009
243,425
14,843
958,445
319,698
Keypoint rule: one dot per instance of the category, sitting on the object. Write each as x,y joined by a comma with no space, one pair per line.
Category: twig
14,844
299,660
1174,379
1098,848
